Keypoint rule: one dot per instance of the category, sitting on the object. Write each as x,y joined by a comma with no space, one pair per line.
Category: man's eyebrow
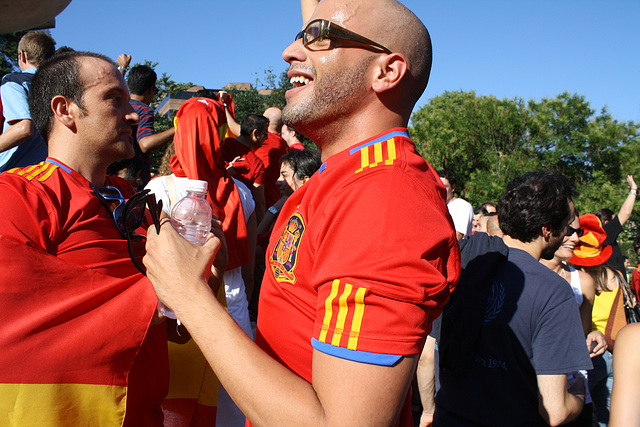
116,89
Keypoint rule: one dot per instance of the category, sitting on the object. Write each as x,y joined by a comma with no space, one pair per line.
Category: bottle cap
197,186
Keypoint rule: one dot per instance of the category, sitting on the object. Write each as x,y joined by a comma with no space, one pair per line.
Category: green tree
9,52
252,102
483,140
487,142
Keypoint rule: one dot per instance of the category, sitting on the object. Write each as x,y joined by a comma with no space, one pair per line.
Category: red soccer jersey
635,281
270,153
361,260
78,311
249,167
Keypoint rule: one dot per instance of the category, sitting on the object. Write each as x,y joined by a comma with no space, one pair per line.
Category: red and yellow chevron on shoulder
40,172
379,153
343,313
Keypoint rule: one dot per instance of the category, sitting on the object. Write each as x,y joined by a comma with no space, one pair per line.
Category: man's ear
65,111
546,232
389,71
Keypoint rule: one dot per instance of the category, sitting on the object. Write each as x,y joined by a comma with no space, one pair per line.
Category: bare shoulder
587,285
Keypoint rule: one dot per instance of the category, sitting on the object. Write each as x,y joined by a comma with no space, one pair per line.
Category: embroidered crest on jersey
284,258
343,313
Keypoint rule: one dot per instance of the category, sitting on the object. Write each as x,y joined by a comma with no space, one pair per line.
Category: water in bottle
191,217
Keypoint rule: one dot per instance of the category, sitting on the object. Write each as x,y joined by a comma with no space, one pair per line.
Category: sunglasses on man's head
319,33
129,216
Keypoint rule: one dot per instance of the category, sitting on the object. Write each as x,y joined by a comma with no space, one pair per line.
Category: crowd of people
330,279
587,258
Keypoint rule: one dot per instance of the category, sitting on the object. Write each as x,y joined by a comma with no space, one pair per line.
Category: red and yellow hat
591,251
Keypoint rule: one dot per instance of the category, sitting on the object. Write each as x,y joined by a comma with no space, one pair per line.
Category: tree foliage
9,52
252,102
488,141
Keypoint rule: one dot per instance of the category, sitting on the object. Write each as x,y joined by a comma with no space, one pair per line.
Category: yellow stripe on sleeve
391,151
328,311
48,173
342,315
364,159
28,169
38,171
356,322
377,150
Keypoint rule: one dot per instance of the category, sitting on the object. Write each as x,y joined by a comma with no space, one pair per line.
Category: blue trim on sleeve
384,137
355,355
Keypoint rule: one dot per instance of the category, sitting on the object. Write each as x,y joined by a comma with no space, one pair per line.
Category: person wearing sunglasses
361,258
512,336
584,289
80,320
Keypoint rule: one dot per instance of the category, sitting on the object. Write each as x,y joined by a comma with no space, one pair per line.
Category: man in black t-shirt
612,225
512,331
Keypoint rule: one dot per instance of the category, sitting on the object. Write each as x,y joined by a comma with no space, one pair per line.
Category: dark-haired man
79,317
20,142
512,332
142,85
243,163
361,258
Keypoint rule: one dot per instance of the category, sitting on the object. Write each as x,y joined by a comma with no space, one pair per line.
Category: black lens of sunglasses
578,231
133,214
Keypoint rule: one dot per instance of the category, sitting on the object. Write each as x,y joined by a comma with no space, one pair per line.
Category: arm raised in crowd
627,207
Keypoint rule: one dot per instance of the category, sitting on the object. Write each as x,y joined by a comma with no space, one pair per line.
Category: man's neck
554,264
92,169
343,132
139,98
532,248
26,66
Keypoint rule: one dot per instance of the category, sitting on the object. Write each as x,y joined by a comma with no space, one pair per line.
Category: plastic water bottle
191,217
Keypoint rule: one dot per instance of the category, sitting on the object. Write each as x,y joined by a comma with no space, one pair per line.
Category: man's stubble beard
333,96
550,251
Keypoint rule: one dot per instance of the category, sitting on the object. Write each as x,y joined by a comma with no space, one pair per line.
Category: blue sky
505,48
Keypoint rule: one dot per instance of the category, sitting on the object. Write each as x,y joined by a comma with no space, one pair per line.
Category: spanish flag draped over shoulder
200,123
69,338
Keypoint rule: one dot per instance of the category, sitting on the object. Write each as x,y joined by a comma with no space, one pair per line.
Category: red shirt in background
249,167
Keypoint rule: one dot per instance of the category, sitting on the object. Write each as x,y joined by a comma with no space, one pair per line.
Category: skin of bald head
275,119
355,92
393,25
400,30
